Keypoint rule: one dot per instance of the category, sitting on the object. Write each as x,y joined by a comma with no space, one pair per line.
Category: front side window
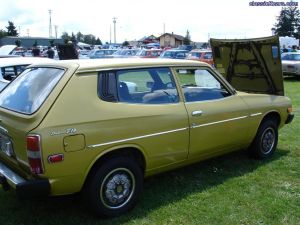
200,85
138,86
29,90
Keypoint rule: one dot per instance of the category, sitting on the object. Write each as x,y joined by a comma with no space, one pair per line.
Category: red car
201,55
149,53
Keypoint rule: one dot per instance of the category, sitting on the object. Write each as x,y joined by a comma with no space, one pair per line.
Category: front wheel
115,187
265,141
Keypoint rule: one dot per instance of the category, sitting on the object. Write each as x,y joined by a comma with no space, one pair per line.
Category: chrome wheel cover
268,140
117,188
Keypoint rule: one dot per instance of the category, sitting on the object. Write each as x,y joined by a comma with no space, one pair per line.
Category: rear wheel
265,141
115,187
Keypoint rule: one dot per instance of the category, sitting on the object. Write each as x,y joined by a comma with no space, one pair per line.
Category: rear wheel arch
130,152
274,116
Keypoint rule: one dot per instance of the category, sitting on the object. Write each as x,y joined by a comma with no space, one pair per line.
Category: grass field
231,189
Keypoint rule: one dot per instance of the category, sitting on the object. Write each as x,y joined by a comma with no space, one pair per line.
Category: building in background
170,40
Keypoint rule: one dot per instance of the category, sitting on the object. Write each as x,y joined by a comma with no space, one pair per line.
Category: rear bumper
24,188
289,118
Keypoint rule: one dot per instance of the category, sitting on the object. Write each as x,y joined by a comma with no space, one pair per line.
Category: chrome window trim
136,138
210,100
217,122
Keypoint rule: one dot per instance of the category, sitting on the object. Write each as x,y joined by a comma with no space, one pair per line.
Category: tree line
11,30
79,37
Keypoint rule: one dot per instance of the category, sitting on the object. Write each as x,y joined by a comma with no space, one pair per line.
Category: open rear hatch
250,65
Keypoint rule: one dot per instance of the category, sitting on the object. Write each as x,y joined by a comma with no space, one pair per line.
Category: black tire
115,187
265,141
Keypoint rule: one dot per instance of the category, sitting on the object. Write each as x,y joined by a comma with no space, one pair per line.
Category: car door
141,107
218,118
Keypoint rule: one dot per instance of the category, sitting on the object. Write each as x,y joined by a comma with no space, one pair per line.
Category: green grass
231,189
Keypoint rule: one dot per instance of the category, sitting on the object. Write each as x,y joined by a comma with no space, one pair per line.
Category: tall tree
187,38
11,29
65,36
3,33
89,39
288,22
98,42
73,38
79,36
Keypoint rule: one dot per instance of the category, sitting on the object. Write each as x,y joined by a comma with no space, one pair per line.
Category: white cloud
138,18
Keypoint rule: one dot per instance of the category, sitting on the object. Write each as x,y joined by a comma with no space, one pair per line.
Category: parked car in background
201,55
125,53
7,49
11,67
174,54
291,63
186,47
149,53
101,53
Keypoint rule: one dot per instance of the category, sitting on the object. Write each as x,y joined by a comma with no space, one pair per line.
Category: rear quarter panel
261,105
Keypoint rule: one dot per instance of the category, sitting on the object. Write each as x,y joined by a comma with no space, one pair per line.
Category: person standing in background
50,53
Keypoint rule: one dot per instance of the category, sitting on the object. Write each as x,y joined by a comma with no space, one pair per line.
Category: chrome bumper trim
12,178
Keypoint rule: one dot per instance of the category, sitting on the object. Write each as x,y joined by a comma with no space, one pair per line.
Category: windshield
295,57
29,90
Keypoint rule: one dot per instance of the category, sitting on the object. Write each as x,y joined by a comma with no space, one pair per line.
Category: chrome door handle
197,113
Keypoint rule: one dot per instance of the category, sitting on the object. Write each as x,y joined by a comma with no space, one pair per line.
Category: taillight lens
34,154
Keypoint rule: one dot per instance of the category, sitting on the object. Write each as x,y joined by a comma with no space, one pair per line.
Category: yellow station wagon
100,126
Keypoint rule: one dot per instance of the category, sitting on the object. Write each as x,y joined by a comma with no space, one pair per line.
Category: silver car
13,66
291,63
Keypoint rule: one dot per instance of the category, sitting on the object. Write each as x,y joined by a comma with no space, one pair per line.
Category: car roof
290,53
201,50
88,65
176,50
14,61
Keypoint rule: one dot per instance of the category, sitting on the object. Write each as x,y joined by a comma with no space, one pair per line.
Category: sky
139,18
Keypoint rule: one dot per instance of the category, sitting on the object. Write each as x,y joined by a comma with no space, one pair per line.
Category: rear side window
138,86
29,90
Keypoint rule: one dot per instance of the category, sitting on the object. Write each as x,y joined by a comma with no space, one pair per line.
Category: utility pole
50,24
164,28
27,32
19,31
110,34
115,38
55,27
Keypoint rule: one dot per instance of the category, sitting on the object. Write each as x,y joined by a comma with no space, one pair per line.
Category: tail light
34,154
